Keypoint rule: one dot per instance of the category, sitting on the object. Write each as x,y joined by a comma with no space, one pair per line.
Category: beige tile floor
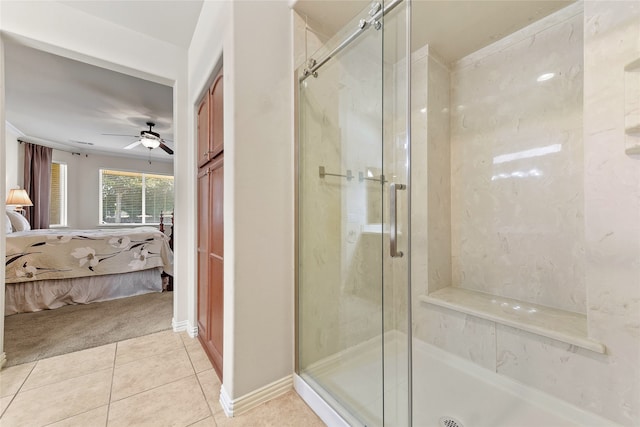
164,379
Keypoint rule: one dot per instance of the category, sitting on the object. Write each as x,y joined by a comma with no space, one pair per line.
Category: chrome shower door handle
393,219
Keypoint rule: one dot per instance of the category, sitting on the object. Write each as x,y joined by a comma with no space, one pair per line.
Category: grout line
196,374
69,377
74,415
198,380
10,402
153,388
196,422
188,355
19,388
57,382
113,373
27,377
178,348
204,394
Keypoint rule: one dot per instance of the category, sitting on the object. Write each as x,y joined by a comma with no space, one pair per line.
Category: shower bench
549,322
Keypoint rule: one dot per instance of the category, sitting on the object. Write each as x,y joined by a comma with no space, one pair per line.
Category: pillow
8,228
18,221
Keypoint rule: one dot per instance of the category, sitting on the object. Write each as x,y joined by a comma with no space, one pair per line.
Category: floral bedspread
57,254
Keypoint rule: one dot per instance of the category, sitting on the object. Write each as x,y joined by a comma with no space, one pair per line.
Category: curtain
37,182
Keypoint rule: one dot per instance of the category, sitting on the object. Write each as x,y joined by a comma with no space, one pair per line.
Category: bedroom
258,316
69,109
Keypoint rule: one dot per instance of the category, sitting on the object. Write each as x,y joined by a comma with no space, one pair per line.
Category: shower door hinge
375,8
310,64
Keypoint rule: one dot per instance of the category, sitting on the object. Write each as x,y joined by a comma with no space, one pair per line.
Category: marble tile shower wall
431,191
608,248
517,199
439,172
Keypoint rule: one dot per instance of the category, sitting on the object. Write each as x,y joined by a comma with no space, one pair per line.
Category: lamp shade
150,142
18,197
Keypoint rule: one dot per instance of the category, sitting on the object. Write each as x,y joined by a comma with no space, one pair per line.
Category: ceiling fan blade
130,146
118,134
165,148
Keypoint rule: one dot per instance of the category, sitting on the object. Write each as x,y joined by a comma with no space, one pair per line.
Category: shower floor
444,385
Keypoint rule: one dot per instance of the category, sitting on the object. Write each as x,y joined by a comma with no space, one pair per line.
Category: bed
50,268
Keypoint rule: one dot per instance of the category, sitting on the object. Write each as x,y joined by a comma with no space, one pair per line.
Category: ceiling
73,104
156,18
453,29
329,15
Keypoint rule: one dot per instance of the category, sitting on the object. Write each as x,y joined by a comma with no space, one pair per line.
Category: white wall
14,158
258,211
83,182
82,177
3,197
263,194
62,30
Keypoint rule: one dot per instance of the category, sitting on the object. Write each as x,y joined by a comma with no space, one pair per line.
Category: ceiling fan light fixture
149,142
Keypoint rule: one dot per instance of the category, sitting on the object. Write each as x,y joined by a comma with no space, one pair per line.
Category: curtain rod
74,153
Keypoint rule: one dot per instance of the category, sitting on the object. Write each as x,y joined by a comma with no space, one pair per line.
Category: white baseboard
226,402
192,331
179,326
234,407
184,326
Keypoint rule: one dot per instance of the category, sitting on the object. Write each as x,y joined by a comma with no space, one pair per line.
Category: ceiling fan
149,139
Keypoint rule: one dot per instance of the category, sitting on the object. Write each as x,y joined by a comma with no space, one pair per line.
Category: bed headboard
166,226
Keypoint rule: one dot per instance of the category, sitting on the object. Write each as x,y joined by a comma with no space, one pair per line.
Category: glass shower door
350,287
340,231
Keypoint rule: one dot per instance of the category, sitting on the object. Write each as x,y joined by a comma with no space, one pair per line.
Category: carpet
34,336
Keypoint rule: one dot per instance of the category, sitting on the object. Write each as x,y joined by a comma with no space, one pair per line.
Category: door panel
214,344
340,231
211,224
203,131
203,250
216,262
217,116
352,275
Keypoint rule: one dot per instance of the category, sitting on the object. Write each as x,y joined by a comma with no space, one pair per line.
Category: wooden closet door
216,263
203,131
203,253
216,110
211,223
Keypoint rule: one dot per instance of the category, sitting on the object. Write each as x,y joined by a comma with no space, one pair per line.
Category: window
133,197
58,195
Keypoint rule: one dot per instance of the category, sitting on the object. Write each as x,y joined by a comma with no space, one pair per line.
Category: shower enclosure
442,273
353,227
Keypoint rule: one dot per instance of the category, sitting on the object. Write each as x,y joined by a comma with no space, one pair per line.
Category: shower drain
450,422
